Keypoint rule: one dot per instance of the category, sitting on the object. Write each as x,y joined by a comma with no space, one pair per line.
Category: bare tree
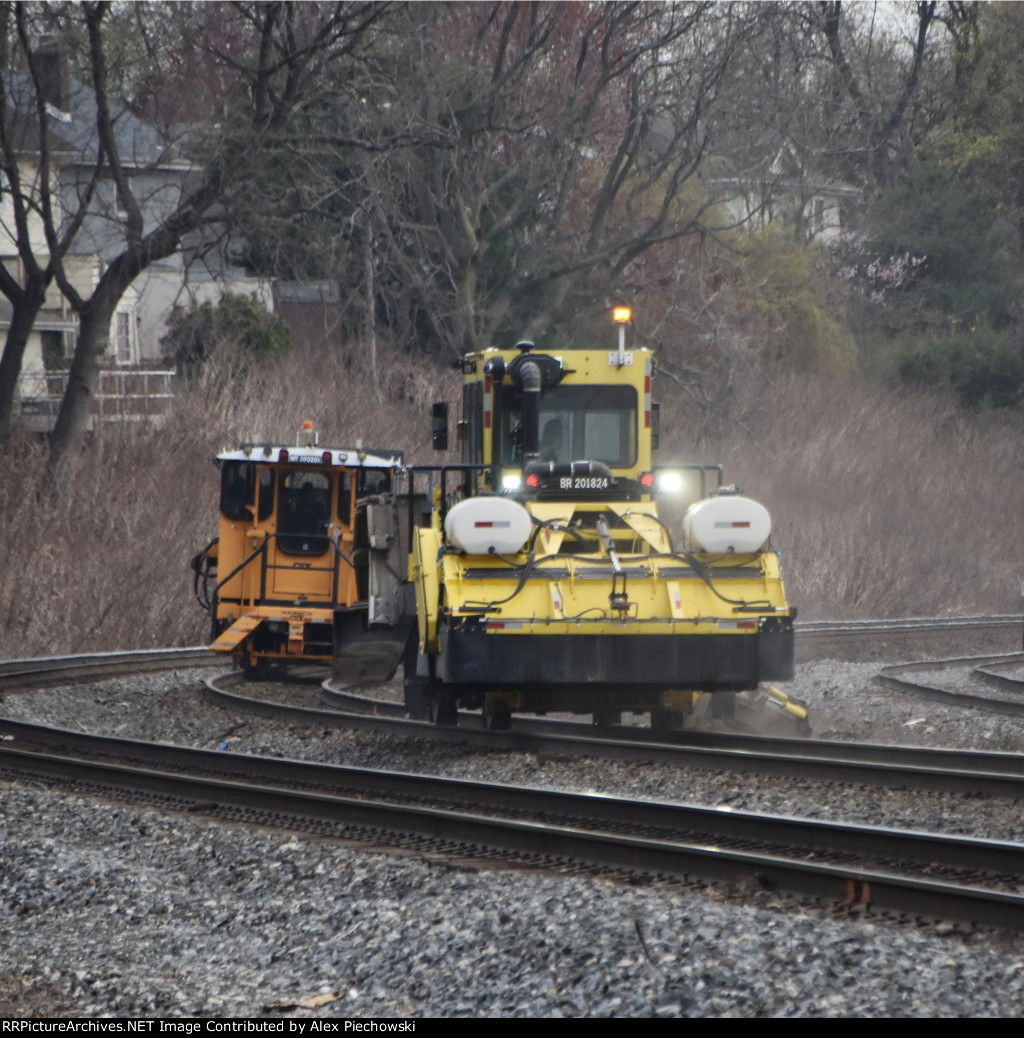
284,49
882,79
498,169
31,89
548,146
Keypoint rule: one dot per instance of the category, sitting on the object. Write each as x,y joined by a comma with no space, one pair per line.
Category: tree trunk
83,380
369,276
23,317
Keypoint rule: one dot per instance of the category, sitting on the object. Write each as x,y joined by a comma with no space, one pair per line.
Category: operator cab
547,426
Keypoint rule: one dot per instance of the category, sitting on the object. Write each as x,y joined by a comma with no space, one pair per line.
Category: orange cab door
247,503
300,556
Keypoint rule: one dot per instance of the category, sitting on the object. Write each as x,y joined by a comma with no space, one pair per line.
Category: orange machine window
238,490
304,513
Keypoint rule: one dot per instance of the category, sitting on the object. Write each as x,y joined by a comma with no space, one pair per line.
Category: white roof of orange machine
283,454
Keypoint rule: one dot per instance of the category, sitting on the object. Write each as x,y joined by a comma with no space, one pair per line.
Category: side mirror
439,426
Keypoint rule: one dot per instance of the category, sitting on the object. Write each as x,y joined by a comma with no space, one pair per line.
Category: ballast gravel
111,909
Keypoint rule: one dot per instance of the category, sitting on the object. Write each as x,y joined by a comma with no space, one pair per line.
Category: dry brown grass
105,565
882,505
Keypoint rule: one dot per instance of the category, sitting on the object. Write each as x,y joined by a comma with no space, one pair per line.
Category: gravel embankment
108,909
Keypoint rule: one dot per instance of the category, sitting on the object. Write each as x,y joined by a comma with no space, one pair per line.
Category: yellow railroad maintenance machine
547,578
542,573
306,555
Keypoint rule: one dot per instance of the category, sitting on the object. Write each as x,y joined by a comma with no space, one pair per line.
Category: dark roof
73,132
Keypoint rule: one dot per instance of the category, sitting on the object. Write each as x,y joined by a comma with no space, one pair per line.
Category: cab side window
237,489
374,481
266,482
345,481
238,481
472,410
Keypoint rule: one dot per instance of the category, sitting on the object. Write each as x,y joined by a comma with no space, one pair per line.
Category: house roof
73,132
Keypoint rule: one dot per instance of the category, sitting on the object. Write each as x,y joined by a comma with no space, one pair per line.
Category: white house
795,193
157,177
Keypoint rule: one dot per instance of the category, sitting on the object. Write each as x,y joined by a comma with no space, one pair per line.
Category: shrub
239,328
981,365
805,310
883,503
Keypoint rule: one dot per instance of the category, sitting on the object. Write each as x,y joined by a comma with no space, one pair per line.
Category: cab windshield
577,423
305,513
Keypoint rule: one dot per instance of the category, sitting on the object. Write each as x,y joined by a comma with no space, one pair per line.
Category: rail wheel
257,669
414,686
665,720
607,718
723,706
444,708
497,719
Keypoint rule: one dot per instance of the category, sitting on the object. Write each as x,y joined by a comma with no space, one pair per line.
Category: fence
123,395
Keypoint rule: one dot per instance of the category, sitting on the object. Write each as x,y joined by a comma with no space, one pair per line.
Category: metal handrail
334,570
443,470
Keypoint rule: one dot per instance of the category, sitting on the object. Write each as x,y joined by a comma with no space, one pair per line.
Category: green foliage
982,135
957,217
982,365
238,329
965,271
951,229
805,312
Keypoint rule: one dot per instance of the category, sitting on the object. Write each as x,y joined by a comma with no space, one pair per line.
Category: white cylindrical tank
727,524
481,525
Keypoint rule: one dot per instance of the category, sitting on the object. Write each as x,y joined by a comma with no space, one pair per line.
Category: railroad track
47,671
1003,676
939,769
918,875
873,764
855,867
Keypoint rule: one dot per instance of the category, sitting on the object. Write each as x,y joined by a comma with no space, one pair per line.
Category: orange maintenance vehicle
306,546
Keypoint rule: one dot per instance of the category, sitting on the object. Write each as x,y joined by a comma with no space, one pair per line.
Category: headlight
511,481
669,482
682,483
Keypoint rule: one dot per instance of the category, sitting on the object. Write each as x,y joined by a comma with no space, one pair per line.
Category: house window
819,215
53,351
58,349
123,337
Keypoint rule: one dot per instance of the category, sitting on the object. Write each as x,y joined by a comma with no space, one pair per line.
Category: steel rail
577,843
907,625
897,676
813,628
95,666
607,809
993,674
975,771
